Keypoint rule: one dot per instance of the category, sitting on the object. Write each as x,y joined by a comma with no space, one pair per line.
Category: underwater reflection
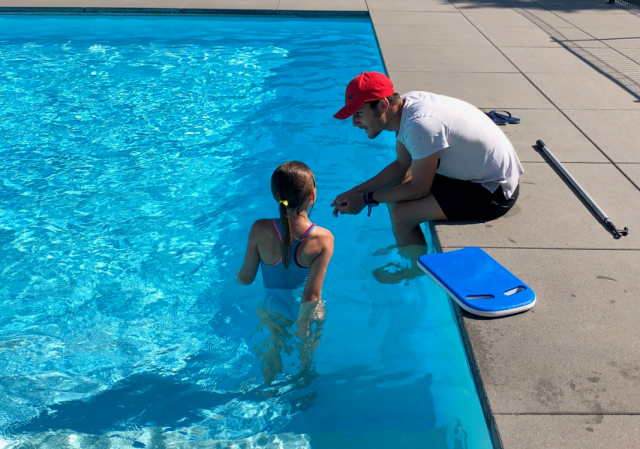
288,335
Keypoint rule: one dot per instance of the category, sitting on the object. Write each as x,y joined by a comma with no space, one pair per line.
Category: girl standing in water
293,254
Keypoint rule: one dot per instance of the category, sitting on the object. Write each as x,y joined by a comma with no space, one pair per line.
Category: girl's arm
247,274
313,288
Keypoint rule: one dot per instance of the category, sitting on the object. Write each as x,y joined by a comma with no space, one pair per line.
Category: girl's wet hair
291,185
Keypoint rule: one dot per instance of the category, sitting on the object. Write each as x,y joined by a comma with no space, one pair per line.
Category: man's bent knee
391,207
399,216
411,213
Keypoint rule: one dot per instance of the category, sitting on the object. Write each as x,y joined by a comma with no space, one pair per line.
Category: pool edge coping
180,11
485,404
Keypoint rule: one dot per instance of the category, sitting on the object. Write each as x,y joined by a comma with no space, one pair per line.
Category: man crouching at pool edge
452,163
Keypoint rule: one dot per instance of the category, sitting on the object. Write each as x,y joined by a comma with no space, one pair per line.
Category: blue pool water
135,153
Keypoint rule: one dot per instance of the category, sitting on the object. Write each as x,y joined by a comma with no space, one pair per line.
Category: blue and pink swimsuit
285,286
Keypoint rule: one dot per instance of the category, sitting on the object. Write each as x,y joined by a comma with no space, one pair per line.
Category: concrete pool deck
567,373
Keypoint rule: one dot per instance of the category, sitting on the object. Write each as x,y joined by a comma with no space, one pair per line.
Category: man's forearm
404,192
392,175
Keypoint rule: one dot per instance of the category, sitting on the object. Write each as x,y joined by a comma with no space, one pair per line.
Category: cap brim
347,111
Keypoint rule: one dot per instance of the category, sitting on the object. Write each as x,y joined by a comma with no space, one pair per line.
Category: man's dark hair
393,99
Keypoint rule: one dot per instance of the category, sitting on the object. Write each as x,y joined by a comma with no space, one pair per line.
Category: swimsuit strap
302,237
313,225
275,225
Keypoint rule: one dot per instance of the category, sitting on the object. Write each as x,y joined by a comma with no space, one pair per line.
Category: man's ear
384,104
381,107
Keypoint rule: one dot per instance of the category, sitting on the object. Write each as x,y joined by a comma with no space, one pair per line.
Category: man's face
371,120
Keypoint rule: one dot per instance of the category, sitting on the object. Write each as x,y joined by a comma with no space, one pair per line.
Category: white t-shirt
472,147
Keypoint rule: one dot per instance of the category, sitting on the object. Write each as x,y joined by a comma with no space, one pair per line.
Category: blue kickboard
478,283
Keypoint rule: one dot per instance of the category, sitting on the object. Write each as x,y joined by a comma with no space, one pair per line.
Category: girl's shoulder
319,241
322,235
263,223
322,232
264,227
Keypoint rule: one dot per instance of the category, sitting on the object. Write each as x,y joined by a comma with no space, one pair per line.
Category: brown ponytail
287,235
291,185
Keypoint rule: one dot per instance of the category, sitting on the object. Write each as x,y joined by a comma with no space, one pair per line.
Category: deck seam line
549,248
570,414
559,109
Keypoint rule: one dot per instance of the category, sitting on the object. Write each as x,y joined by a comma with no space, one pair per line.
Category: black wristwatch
369,201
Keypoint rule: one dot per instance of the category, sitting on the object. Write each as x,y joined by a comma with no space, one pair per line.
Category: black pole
617,233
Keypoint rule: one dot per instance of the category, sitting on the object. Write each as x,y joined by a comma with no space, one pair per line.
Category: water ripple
133,156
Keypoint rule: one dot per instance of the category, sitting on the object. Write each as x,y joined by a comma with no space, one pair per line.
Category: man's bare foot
393,273
385,251
406,269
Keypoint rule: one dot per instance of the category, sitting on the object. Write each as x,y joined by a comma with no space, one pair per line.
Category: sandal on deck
502,119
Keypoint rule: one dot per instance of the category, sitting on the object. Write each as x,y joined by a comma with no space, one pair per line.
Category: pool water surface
135,153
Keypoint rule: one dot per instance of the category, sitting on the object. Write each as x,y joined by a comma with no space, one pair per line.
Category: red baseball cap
367,86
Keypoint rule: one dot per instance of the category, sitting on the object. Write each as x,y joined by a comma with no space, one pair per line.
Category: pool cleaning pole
617,233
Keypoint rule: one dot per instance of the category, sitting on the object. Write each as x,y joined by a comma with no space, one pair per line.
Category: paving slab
550,18
48,4
204,5
418,19
586,91
483,90
492,5
488,18
536,37
413,58
568,143
485,18
592,20
615,132
624,43
590,9
549,214
632,171
632,53
613,32
546,60
583,6
324,5
569,432
440,36
410,5
564,60
576,350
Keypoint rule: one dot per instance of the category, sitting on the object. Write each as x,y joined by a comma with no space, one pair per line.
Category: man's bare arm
392,175
423,172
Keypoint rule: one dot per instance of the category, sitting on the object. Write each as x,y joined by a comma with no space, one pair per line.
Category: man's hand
337,201
348,203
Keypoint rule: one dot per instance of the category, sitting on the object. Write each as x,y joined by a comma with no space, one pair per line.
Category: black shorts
466,200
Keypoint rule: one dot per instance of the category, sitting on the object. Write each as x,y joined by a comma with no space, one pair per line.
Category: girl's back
293,253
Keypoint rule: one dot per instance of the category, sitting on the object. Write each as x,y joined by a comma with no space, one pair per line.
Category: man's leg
407,216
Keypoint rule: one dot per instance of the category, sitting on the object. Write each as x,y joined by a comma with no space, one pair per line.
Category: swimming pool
135,153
